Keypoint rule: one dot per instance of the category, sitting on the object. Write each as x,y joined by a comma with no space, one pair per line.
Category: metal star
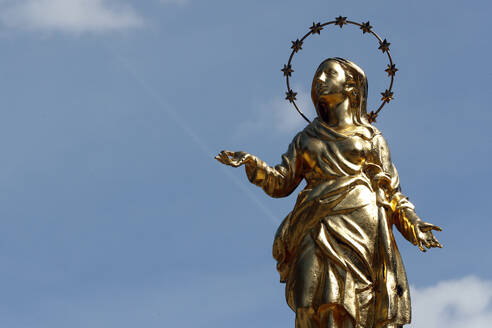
391,70
386,95
291,96
384,46
366,27
340,21
287,70
371,117
296,45
316,28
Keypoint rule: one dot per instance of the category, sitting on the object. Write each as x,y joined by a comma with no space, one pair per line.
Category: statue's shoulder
311,130
376,131
379,141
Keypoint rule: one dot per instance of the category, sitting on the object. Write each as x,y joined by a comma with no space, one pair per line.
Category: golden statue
335,250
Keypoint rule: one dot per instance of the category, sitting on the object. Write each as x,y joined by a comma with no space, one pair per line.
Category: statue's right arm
277,181
280,180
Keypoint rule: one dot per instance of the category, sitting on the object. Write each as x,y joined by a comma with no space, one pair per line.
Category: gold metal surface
335,250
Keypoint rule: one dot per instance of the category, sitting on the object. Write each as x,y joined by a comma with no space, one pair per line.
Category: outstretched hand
234,159
425,237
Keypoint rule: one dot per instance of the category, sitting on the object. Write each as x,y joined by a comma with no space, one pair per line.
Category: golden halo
391,69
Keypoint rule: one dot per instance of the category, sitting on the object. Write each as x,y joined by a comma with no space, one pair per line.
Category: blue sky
113,211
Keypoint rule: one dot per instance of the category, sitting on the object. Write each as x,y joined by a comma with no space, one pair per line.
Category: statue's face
339,88
329,84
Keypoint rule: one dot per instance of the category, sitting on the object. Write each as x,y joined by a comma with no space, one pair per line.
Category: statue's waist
323,188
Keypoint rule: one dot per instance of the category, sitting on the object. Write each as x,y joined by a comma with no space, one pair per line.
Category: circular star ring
391,69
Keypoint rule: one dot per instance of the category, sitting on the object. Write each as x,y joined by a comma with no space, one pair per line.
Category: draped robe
336,247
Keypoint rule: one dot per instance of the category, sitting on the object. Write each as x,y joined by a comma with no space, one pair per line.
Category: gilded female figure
336,251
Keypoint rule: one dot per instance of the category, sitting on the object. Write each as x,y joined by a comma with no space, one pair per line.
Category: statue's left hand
234,159
425,237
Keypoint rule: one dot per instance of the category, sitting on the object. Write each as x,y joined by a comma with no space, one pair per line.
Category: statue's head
335,81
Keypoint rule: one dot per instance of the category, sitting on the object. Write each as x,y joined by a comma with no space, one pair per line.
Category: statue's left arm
402,211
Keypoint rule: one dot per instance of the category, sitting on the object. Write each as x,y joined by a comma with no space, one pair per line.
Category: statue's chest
353,149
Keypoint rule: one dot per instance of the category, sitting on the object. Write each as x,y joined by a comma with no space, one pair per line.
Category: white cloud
459,303
278,116
74,16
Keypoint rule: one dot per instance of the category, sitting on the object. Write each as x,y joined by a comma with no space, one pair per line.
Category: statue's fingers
427,243
428,227
219,159
225,159
436,243
228,153
419,244
221,155
431,240
437,228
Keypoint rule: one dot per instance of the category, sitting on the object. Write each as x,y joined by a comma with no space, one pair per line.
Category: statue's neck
341,116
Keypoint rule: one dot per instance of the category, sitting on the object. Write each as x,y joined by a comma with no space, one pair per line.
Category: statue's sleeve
282,179
402,211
